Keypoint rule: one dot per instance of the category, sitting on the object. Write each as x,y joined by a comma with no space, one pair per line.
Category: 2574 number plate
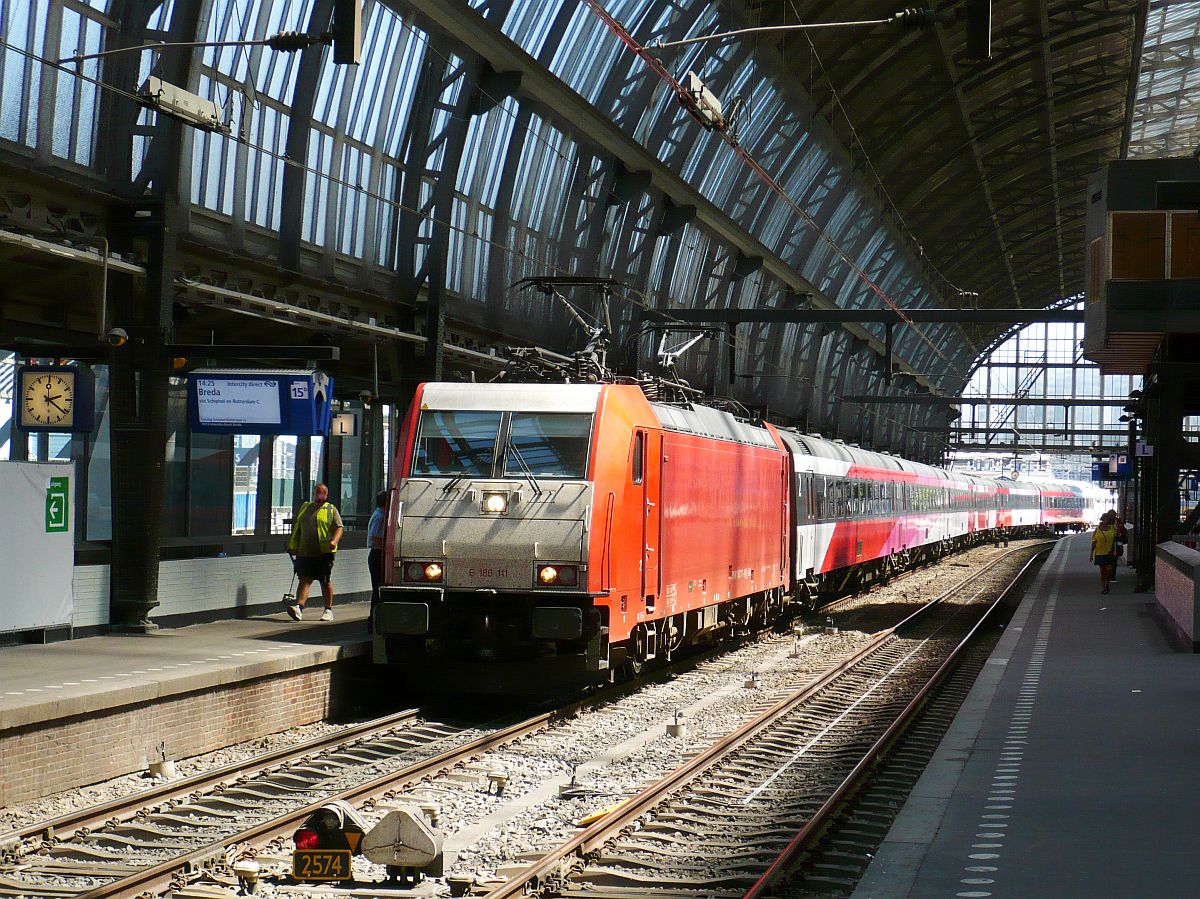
321,864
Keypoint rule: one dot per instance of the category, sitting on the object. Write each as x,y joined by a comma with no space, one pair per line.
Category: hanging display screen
238,401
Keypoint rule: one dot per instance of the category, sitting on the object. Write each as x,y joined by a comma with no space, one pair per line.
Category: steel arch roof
986,162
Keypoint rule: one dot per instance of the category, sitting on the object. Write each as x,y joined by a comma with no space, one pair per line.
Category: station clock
59,399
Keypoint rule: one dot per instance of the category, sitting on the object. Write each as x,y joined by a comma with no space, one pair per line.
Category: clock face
48,398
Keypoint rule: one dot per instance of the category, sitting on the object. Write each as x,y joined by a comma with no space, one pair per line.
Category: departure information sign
260,401
1115,467
238,401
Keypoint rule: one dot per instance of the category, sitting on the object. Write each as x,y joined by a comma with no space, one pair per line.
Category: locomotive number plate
321,865
489,573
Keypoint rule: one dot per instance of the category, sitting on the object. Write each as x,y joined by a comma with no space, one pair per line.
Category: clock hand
56,405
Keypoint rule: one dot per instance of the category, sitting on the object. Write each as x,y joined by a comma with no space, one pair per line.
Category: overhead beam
1050,449
936,400
863,316
1021,432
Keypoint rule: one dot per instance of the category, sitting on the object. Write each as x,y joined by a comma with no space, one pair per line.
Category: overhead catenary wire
496,101
673,83
895,209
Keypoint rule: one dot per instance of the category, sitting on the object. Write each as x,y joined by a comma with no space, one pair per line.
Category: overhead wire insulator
293,41
914,17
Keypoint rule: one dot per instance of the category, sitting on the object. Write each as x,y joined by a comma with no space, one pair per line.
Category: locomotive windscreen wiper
528,472
449,485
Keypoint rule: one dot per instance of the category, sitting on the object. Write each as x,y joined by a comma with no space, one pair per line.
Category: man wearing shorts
316,533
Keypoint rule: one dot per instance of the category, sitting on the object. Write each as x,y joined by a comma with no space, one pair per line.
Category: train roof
708,422
821,448
470,397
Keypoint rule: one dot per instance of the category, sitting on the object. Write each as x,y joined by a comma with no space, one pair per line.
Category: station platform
178,691
1071,768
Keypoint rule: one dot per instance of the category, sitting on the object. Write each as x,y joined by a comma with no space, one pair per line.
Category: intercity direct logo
58,512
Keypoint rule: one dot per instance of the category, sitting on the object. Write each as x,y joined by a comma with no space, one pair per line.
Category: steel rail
814,825
161,875
914,567
554,864
126,807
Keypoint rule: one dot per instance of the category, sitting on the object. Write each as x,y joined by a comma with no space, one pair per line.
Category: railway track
876,788
126,807
734,818
141,842
152,840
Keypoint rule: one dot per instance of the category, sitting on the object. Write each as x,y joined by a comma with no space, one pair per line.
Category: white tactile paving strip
983,867
894,872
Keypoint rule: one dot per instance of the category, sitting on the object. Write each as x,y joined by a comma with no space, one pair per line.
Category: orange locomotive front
573,530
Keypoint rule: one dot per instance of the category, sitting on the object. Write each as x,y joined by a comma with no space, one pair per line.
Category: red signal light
306,839
424,572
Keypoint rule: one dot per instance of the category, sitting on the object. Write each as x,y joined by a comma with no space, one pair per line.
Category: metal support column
264,488
138,373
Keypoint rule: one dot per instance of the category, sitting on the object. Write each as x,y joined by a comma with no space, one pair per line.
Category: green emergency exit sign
58,505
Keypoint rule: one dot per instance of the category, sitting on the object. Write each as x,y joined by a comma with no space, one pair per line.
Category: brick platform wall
1176,572
44,759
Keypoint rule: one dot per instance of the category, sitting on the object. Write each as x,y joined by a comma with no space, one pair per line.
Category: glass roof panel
1166,121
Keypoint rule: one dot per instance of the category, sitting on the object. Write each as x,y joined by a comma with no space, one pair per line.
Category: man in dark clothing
376,534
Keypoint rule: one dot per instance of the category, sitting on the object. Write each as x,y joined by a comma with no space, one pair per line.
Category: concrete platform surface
80,677
1073,767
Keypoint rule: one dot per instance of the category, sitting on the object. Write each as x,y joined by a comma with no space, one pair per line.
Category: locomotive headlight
433,572
557,575
495,503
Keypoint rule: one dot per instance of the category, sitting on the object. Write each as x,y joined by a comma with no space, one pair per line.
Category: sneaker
295,613
328,616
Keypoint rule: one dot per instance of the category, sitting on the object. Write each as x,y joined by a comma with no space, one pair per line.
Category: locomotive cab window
548,444
456,443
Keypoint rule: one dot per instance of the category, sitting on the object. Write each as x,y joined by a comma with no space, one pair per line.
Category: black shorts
1106,560
315,568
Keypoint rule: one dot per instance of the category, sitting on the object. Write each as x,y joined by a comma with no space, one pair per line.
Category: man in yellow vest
316,533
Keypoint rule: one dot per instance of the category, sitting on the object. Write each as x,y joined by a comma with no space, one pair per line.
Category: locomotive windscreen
456,443
551,444
544,444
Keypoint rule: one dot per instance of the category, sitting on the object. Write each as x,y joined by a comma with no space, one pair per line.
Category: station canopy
482,142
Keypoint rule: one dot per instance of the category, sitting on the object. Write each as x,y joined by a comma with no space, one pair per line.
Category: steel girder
563,107
986,162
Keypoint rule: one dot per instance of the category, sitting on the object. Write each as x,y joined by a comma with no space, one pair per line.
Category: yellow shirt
313,528
1104,541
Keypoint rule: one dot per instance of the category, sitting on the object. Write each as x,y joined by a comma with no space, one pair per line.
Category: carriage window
456,443
550,444
639,456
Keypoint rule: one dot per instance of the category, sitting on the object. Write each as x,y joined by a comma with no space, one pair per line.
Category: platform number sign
57,505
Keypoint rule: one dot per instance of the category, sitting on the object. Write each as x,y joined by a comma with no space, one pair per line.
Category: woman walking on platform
1104,549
